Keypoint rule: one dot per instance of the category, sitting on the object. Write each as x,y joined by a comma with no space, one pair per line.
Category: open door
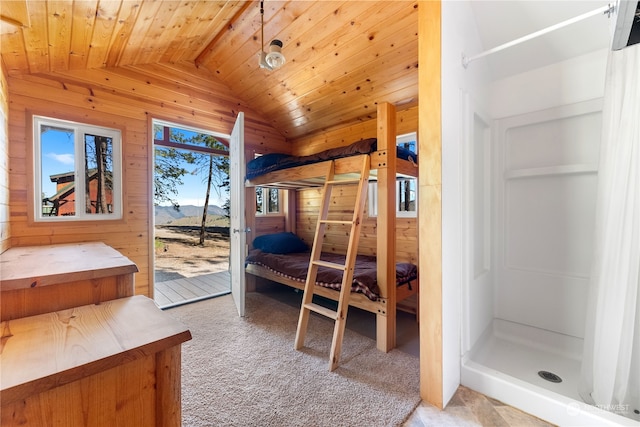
237,223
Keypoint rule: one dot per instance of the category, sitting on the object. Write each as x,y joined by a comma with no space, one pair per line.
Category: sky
58,157
193,190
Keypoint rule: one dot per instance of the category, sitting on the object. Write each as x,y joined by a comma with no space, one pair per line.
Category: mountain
167,214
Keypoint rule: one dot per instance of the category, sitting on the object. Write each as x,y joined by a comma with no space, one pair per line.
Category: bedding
280,243
296,265
277,161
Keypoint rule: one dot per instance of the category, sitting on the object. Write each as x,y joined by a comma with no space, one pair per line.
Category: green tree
215,169
169,171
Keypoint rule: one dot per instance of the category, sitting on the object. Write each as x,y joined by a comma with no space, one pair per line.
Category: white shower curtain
611,359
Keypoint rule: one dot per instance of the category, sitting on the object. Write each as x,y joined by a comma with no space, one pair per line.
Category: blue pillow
280,243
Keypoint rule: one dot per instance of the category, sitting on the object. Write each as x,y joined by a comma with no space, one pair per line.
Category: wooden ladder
340,315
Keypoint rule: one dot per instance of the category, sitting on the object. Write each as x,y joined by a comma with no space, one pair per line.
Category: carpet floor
245,371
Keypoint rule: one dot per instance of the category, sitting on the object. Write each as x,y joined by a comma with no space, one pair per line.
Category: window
77,170
267,201
406,188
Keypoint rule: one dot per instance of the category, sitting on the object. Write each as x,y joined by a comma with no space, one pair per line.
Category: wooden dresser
78,349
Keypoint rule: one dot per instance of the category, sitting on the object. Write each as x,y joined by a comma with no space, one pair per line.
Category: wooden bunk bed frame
385,167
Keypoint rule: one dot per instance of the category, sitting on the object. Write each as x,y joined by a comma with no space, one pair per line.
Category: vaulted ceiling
342,57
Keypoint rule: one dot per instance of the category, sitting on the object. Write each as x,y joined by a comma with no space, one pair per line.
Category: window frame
265,198
79,130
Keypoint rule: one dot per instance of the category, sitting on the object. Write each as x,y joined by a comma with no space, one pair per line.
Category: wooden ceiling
343,57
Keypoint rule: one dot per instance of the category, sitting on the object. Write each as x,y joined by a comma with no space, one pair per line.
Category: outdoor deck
190,289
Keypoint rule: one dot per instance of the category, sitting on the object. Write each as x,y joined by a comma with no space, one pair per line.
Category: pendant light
274,59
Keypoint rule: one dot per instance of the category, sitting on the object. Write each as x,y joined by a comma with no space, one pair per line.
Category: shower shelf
551,170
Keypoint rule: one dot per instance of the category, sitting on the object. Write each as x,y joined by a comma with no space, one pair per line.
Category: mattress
296,265
278,161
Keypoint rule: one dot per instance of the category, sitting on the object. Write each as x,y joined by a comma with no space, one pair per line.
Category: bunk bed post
289,207
386,240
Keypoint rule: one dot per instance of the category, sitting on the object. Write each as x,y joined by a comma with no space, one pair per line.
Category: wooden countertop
31,266
41,352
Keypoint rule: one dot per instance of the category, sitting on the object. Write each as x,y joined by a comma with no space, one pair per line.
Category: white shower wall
545,186
543,167
519,171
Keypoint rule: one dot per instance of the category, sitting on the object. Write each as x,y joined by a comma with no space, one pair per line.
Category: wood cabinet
42,279
116,363
77,348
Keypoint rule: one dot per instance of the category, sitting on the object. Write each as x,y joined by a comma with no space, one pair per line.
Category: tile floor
470,408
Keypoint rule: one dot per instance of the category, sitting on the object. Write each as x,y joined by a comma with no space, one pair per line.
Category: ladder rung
335,221
327,312
330,265
343,182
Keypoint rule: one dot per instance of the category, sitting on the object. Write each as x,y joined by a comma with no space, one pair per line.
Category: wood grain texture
40,353
168,381
42,279
5,228
386,224
35,266
343,57
430,204
125,99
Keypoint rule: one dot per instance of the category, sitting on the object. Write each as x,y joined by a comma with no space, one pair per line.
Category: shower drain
550,376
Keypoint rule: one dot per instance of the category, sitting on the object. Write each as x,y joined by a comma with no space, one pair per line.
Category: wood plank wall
308,201
340,135
268,224
5,230
336,236
124,98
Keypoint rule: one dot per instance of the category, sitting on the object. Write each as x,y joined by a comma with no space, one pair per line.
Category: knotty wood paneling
5,230
126,99
340,135
342,57
268,224
308,201
336,236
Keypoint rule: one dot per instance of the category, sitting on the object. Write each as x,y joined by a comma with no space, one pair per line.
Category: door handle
246,230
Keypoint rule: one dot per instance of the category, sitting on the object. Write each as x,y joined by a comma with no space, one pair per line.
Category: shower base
505,363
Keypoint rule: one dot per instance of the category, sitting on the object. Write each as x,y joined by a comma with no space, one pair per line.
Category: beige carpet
245,372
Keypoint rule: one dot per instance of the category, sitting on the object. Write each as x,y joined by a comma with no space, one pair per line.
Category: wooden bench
116,363
42,279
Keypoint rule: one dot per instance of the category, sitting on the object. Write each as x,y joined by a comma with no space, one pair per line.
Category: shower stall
529,164
532,237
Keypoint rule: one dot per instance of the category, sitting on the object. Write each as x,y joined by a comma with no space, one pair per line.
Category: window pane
274,201
407,195
98,173
57,172
259,202
77,171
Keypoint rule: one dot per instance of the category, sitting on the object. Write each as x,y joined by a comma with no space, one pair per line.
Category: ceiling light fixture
274,59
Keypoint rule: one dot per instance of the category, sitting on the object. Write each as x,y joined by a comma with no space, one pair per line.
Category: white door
237,223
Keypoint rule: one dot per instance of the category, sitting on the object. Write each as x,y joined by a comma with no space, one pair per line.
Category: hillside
189,215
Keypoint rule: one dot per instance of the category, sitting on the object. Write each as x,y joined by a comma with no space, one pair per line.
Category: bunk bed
289,263
386,163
